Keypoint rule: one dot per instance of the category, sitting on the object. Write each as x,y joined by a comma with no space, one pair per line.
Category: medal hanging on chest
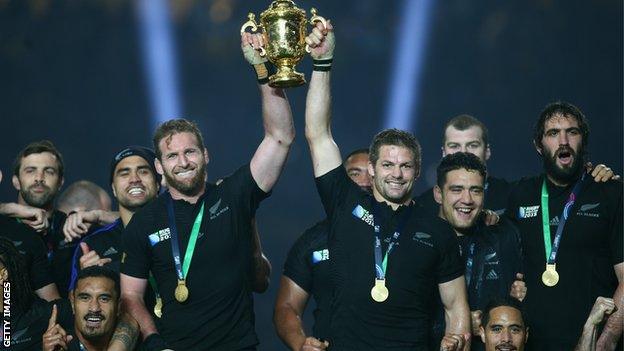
181,292
550,277
379,292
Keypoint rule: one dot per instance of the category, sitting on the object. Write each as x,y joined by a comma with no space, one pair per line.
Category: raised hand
314,344
518,288
90,258
55,338
321,41
452,342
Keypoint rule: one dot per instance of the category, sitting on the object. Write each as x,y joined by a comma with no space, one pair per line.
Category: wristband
322,65
263,71
154,342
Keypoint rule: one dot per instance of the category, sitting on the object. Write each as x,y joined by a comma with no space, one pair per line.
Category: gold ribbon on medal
379,292
181,291
550,277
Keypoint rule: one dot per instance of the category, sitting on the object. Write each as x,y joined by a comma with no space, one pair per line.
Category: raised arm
603,307
456,311
612,331
279,131
324,151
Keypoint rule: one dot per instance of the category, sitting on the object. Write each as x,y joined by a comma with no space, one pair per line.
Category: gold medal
550,277
158,307
181,291
379,292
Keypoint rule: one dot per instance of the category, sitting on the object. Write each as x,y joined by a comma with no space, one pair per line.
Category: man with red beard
207,305
571,231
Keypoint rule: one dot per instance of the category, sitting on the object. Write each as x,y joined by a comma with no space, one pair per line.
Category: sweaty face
505,330
38,180
562,148
134,184
357,169
183,163
95,304
469,140
394,174
461,198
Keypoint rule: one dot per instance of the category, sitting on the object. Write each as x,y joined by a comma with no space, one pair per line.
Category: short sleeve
297,266
135,260
243,187
450,264
332,188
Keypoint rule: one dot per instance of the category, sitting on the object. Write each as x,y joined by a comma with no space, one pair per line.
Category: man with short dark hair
571,230
492,254
134,182
208,225
504,325
386,261
98,323
306,272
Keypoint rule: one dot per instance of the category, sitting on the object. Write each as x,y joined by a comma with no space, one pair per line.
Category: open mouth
464,212
187,173
136,191
565,157
93,320
505,348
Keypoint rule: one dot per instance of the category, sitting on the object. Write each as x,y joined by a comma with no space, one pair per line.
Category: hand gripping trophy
283,25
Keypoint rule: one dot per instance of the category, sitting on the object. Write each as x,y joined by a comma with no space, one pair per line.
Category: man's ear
537,147
443,152
437,194
16,183
371,170
526,335
158,166
488,152
482,334
206,156
114,192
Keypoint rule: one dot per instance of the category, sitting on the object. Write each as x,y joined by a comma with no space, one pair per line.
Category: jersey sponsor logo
363,214
214,210
422,237
528,211
583,210
491,258
161,235
491,275
111,251
554,221
320,255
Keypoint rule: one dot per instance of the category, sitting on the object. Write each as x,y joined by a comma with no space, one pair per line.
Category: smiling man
492,254
387,262
207,305
504,326
134,182
571,230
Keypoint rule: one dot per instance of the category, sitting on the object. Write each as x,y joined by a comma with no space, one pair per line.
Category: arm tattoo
126,334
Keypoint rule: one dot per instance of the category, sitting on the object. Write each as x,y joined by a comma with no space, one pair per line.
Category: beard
564,175
40,200
190,188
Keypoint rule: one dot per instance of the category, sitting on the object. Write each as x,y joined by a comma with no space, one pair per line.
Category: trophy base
287,79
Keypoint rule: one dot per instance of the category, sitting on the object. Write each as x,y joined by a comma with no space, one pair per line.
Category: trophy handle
315,18
251,23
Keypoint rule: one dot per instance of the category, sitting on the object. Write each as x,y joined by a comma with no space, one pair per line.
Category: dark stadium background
72,72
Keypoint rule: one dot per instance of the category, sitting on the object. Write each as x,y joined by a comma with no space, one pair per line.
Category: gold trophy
283,25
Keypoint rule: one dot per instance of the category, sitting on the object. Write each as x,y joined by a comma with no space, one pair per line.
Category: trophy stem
286,77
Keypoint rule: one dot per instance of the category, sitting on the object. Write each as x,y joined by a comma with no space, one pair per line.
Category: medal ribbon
182,269
381,265
551,252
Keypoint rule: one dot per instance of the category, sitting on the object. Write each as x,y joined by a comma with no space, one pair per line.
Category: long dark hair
13,261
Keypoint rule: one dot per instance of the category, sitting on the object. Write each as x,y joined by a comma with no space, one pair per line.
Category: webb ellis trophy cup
283,25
